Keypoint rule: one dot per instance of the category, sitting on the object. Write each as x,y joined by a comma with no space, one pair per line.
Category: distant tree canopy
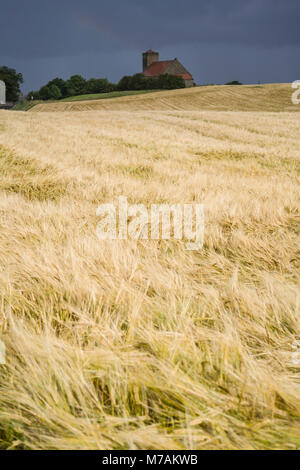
99,85
12,80
76,85
140,82
235,82
61,85
58,88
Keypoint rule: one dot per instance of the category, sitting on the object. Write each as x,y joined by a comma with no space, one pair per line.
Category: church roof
161,67
157,68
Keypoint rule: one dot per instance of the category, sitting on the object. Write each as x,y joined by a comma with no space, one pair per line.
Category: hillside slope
275,97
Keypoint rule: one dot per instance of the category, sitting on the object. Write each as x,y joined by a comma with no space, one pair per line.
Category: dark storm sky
217,40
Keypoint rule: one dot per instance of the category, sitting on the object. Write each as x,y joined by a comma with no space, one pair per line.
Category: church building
153,67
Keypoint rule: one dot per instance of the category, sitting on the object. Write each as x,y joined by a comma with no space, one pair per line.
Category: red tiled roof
159,68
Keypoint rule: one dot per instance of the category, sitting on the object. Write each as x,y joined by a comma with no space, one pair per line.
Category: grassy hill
143,344
105,96
274,98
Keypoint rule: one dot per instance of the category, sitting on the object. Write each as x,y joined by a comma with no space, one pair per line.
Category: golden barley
144,345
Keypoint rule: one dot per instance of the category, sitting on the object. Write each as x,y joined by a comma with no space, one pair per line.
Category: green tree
12,80
170,82
47,92
138,82
76,85
44,93
98,85
61,84
54,92
91,86
125,83
152,83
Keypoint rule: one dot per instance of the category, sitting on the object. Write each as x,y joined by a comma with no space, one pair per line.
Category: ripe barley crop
144,345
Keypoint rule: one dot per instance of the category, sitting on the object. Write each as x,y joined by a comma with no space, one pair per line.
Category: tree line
140,82
77,85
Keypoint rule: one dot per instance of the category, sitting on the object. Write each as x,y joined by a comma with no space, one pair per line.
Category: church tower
148,58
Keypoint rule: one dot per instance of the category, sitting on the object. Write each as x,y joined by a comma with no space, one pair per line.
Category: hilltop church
153,67
2,93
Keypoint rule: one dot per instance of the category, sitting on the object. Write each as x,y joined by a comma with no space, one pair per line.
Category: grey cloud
48,38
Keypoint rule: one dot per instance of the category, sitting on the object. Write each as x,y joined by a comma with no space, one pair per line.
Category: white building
2,92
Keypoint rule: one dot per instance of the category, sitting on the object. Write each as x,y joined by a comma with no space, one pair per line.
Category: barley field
143,344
